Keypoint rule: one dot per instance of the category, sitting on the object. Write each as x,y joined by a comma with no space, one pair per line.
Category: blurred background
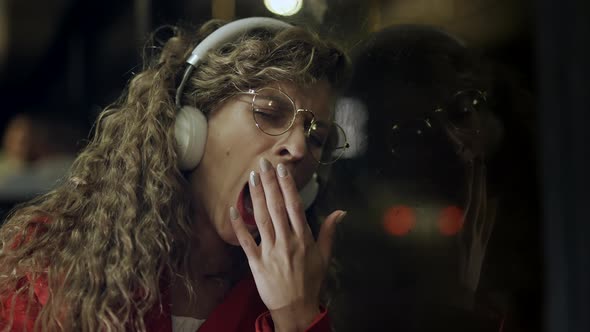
83,52
62,61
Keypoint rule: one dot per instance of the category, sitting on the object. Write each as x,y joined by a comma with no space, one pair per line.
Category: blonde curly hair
104,239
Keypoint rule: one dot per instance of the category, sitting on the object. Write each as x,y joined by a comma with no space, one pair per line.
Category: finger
261,215
326,235
244,237
293,203
274,200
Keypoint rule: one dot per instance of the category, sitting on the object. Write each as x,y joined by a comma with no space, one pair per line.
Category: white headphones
191,123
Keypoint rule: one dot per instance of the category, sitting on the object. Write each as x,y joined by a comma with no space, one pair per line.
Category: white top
186,324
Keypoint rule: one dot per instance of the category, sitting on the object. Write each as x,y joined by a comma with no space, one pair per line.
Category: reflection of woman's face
235,146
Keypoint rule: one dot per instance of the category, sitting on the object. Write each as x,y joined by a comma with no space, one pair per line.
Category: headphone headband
224,34
230,32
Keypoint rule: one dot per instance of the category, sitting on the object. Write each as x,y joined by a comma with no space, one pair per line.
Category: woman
146,234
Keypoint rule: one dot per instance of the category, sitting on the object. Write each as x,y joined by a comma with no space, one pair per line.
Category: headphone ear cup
190,130
310,191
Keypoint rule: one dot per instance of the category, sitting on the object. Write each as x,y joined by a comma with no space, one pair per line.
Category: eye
316,139
274,103
274,107
266,112
317,135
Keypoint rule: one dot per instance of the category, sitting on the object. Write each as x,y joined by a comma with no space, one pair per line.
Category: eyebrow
270,98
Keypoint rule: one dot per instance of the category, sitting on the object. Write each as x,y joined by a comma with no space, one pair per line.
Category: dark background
74,57
71,58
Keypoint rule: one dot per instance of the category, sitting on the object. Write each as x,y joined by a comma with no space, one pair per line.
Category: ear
309,192
190,130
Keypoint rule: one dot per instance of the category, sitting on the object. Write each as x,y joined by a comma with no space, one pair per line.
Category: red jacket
242,310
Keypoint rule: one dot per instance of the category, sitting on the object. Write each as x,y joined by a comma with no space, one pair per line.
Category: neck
211,251
212,257
213,267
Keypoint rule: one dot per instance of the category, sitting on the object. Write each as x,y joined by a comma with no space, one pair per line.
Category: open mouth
245,206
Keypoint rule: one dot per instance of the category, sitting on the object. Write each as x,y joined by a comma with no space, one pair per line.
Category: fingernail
341,216
254,180
233,213
282,170
265,165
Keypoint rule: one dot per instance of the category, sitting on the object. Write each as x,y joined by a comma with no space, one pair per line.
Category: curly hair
120,222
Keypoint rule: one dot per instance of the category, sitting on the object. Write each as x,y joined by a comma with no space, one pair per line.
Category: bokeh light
284,7
450,220
399,220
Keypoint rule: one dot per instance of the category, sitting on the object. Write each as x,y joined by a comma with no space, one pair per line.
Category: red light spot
399,220
450,220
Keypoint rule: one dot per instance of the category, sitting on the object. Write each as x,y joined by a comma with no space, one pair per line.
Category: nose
293,144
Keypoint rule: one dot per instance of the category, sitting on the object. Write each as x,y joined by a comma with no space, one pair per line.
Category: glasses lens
329,149
408,139
273,111
464,107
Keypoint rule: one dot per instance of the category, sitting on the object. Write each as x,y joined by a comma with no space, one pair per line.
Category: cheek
221,146
230,139
227,233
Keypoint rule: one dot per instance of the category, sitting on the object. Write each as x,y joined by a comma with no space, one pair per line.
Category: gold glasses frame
339,150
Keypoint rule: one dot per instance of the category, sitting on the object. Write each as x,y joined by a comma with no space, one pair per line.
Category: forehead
318,98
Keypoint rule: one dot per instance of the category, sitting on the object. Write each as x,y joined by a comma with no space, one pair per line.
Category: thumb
326,235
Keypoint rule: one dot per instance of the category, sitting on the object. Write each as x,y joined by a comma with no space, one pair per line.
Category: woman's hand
288,266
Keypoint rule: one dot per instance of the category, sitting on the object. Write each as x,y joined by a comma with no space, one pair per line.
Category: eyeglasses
457,118
460,112
274,113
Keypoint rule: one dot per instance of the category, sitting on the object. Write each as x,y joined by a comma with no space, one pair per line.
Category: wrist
294,318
